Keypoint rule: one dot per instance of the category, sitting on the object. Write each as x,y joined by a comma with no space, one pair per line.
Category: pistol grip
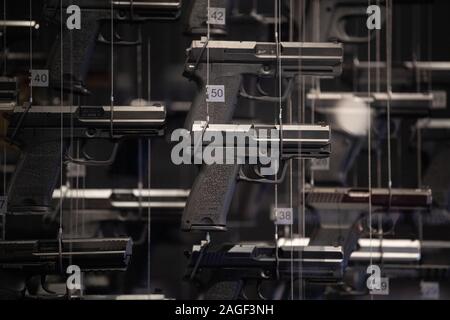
36,175
210,198
77,49
219,112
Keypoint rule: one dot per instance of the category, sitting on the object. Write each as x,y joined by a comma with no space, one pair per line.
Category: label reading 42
216,16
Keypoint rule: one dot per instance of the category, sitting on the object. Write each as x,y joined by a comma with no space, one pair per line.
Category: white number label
39,78
320,164
429,290
76,170
216,16
215,93
439,99
284,216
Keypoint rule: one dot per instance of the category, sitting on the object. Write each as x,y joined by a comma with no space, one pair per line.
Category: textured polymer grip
210,198
36,175
219,112
224,290
77,49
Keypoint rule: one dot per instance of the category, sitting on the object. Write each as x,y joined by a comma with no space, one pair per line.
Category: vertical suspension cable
4,146
149,79
291,236
83,200
31,52
301,162
315,82
369,141
4,38
140,182
430,47
278,58
77,186
378,56
60,230
71,144
377,89
389,9
389,86
149,175
208,34
111,128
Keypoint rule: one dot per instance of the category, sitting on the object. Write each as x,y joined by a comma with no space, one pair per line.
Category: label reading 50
216,16
215,93
284,216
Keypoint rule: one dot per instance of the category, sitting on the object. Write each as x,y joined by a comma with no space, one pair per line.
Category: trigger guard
101,39
85,155
260,89
343,36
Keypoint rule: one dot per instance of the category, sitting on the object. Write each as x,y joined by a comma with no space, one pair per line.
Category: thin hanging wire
75,167
369,138
4,38
60,230
416,53
149,175
315,82
301,162
278,36
208,35
378,56
291,227
31,52
112,72
149,79
140,182
388,85
77,186
4,145
83,200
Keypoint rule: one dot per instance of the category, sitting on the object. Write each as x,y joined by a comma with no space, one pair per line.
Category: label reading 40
216,16
39,78
284,216
215,93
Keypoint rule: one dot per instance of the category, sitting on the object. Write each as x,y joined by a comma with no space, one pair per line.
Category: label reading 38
284,216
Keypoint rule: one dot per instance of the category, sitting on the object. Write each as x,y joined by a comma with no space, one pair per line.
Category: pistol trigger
102,39
242,176
259,88
118,41
84,153
259,290
257,171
